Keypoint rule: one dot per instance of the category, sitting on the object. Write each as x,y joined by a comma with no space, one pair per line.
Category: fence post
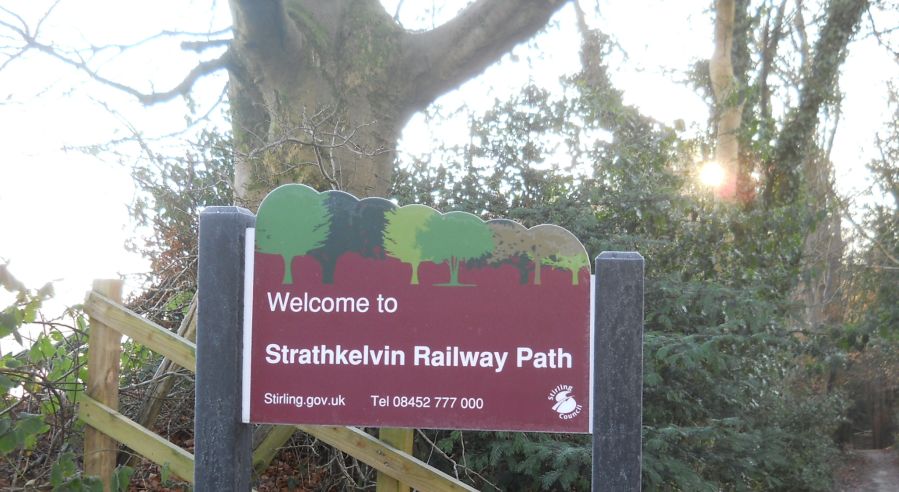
618,371
104,349
402,439
222,444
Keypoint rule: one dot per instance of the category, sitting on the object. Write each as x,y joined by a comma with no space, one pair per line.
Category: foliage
869,339
172,191
723,404
40,380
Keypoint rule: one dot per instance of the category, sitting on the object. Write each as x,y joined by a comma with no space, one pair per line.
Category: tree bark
729,108
325,88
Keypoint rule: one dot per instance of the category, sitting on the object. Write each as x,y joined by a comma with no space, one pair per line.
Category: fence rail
109,314
140,439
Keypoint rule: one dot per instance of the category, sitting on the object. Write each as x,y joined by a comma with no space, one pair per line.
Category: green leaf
46,346
7,323
63,469
6,383
8,442
29,422
121,478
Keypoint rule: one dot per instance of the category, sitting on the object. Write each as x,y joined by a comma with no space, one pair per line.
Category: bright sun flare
711,174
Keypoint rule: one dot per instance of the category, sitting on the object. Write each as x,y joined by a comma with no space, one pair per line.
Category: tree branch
443,58
818,83
30,41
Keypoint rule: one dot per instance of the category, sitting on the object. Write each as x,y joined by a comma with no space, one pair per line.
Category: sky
63,212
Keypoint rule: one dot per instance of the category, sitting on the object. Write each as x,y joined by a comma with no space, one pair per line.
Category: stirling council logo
565,404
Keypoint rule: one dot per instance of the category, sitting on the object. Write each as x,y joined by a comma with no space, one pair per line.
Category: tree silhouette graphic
510,245
455,237
356,227
573,263
401,229
292,220
554,246
570,253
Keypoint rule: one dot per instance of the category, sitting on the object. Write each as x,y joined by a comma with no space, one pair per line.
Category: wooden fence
107,427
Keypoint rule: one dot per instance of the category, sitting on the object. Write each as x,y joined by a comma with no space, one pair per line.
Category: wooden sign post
222,443
618,371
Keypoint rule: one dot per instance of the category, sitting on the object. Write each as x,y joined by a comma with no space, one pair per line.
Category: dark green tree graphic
292,220
401,229
356,227
510,245
455,237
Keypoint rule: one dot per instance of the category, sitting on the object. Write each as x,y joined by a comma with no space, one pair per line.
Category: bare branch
323,133
456,466
24,30
134,134
861,231
30,41
799,24
187,45
396,14
200,46
878,35
37,28
202,69
12,58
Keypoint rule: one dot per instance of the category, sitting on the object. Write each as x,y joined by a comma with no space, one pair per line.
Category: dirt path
869,470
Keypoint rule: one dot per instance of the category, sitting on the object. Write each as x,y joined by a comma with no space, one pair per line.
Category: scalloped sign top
366,313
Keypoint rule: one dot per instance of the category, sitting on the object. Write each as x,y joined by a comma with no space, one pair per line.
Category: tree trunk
288,271
320,91
729,107
819,290
454,271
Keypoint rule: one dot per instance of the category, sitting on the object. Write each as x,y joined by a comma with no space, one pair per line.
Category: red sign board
360,312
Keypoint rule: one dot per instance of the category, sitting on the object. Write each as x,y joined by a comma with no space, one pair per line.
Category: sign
360,312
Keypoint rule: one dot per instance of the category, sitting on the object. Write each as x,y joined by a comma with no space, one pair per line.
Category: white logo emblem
565,404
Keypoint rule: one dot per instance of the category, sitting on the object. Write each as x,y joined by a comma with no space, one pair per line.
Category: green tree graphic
455,237
573,263
570,253
401,230
292,220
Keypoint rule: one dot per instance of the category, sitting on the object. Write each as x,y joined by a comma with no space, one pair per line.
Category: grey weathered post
222,444
618,371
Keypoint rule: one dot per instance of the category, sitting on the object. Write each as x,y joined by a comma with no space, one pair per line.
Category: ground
869,470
